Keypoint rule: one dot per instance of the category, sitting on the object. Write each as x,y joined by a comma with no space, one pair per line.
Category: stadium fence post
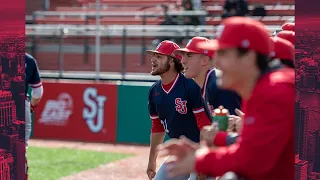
61,42
124,53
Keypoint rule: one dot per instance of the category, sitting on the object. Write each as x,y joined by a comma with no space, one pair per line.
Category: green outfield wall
134,123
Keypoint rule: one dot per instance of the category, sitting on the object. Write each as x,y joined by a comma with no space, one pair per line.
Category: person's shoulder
190,83
211,84
278,84
29,58
279,77
154,85
282,76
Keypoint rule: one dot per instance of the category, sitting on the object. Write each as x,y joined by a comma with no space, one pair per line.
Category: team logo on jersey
94,110
181,106
57,112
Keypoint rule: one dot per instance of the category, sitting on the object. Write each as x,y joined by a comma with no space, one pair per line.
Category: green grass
54,163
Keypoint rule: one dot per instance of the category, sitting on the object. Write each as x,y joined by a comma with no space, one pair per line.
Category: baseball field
64,160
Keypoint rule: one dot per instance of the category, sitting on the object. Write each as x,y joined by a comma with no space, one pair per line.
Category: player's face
160,64
191,64
231,68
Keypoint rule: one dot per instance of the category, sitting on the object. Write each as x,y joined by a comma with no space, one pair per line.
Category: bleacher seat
278,12
268,20
265,2
127,2
286,10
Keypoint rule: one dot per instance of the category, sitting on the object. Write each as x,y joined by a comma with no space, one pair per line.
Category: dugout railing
59,32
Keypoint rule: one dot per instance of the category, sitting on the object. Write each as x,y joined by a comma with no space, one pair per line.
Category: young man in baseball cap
265,149
288,26
175,105
283,51
198,65
287,35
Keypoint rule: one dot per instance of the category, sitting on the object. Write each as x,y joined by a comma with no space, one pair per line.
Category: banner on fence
73,111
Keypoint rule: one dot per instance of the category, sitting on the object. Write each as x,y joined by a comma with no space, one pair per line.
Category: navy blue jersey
32,73
217,97
176,108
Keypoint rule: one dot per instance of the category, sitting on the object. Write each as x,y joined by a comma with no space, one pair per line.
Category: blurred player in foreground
198,64
283,53
265,149
175,104
33,80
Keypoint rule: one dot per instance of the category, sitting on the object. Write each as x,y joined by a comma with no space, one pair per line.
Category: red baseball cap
191,47
288,26
241,32
283,49
287,35
166,48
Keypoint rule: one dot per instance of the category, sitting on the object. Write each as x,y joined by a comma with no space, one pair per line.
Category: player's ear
171,61
205,60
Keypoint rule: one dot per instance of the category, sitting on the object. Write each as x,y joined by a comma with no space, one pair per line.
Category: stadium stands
279,11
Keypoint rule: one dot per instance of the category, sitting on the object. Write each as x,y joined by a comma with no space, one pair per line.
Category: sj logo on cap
189,43
158,46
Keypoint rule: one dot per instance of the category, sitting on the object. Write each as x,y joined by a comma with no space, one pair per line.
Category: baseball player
243,51
198,64
33,80
290,26
287,35
175,105
283,51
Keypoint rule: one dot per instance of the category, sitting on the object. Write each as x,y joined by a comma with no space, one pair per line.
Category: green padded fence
134,123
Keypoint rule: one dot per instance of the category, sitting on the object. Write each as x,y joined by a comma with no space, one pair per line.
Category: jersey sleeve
151,107
225,139
156,123
35,80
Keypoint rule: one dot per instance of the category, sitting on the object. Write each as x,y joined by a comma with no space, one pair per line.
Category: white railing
131,30
115,14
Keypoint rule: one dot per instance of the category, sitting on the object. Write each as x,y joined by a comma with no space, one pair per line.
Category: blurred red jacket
265,150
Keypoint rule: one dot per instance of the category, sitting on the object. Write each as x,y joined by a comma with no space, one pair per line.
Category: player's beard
164,69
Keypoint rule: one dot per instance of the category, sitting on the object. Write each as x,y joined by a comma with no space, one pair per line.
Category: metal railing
115,14
122,31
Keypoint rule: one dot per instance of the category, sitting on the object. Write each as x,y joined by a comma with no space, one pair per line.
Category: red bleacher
278,12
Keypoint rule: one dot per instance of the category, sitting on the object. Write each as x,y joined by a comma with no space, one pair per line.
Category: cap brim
151,52
214,45
185,50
